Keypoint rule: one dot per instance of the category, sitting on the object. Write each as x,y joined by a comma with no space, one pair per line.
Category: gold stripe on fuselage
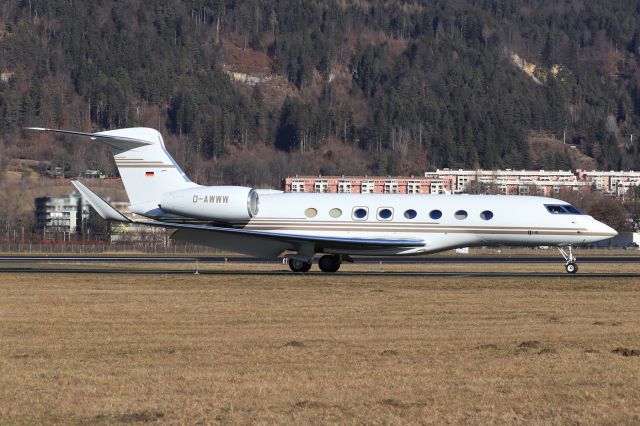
435,231
139,161
145,166
287,223
367,225
420,227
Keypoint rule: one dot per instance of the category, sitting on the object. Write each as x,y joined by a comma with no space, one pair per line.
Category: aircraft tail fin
146,168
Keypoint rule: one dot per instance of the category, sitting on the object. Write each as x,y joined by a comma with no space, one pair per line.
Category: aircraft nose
608,231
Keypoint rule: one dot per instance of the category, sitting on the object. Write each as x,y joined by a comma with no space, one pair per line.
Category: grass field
317,349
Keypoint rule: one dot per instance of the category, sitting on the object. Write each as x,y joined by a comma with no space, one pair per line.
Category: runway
123,264
390,274
245,259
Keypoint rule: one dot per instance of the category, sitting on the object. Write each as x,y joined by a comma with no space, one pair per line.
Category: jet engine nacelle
219,203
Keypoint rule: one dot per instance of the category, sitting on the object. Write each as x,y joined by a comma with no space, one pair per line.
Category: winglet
104,209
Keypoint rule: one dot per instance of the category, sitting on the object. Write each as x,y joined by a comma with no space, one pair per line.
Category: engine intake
220,203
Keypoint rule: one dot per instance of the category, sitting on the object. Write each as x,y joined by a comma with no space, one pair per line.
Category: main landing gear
327,263
297,265
570,260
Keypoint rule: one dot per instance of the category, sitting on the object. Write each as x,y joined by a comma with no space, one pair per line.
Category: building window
486,215
385,213
321,186
523,190
360,213
460,215
391,187
437,187
297,186
335,213
367,187
435,214
311,212
413,188
344,187
462,183
410,214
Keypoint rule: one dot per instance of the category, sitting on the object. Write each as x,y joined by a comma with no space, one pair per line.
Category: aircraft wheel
329,263
298,265
571,267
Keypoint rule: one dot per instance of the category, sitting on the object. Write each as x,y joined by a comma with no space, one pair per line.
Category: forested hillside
332,87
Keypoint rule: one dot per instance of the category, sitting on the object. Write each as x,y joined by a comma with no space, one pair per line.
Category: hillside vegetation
249,91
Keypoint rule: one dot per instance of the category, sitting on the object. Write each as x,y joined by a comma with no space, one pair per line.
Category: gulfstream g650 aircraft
269,223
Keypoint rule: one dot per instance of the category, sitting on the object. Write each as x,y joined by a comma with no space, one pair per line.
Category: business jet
271,223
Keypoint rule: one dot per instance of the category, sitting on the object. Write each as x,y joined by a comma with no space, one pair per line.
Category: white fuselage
270,223
513,220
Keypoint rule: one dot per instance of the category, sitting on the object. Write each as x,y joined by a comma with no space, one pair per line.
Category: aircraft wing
292,242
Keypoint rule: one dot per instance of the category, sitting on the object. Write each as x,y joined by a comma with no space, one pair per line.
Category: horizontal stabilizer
120,142
103,208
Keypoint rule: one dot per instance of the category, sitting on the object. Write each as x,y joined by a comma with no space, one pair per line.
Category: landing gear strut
329,263
570,260
298,265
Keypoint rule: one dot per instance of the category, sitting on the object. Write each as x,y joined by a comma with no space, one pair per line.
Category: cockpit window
556,209
572,209
562,209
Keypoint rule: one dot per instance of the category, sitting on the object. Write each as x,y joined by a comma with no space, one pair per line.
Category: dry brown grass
317,349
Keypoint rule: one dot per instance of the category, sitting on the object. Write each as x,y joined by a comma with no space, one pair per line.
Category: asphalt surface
526,275
43,265
245,259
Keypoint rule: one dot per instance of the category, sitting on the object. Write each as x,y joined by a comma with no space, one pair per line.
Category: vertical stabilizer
147,171
146,168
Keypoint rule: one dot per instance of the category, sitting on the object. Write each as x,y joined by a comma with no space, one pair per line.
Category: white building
64,215
446,181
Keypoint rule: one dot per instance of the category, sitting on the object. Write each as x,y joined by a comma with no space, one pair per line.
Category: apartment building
66,215
611,182
61,218
357,184
446,181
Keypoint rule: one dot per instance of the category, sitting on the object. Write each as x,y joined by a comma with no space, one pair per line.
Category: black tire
306,267
297,265
571,267
329,263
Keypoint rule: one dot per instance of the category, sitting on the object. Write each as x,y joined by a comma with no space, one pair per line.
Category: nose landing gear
570,260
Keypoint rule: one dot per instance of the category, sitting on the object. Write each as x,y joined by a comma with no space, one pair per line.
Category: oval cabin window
385,214
335,213
486,215
410,214
311,212
460,214
435,214
360,213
